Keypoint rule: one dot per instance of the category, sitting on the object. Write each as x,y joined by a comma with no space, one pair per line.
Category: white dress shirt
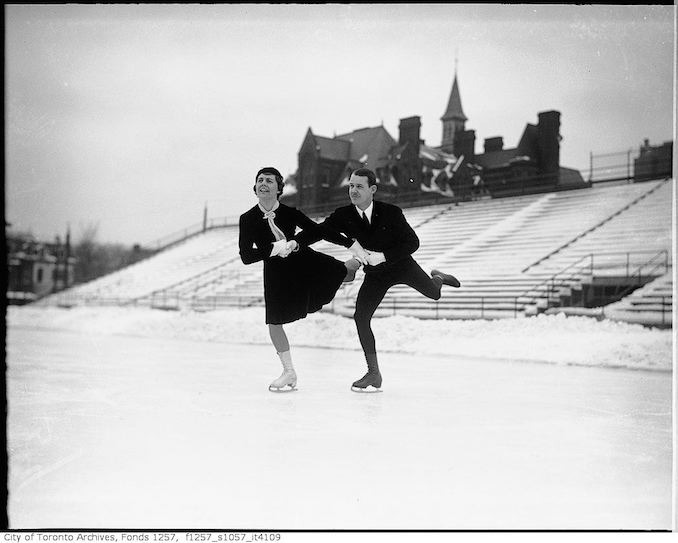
367,212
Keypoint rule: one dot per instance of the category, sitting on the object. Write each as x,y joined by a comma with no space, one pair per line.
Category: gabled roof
528,141
454,110
332,149
369,146
527,147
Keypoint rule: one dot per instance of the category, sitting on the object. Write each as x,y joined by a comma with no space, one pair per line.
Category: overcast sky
133,117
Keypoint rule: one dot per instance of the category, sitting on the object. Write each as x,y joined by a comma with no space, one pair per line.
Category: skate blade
286,388
368,390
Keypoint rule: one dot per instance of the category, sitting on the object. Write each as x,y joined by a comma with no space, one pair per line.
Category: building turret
453,119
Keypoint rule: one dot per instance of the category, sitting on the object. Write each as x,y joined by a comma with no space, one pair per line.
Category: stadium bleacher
181,263
497,265
514,256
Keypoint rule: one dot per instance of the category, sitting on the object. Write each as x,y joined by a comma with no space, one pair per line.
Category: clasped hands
372,258
284,248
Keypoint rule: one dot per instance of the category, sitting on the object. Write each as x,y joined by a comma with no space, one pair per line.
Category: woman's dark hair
365,172
271,171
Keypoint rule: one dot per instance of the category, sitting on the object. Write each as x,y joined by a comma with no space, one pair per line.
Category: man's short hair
272,171
366,172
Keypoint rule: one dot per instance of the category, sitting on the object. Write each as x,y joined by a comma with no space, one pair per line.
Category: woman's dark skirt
300,284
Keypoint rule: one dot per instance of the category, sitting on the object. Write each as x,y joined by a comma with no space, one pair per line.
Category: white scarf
270,215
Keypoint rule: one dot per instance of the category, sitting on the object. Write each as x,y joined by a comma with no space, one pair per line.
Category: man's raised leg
420,281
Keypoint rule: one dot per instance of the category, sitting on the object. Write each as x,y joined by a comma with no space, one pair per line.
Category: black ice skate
447,279
370,382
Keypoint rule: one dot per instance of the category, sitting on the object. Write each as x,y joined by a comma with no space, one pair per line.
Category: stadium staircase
516,256
651,304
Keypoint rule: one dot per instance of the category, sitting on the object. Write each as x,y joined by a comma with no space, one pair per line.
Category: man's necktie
366,221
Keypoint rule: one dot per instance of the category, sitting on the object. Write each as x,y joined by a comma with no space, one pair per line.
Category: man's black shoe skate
447,279
370,382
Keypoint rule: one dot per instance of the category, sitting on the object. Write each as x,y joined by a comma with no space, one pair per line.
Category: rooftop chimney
494,144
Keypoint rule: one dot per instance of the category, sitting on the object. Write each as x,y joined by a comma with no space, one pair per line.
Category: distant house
410,171
36,268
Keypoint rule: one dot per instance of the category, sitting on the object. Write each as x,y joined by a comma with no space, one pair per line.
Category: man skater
389,241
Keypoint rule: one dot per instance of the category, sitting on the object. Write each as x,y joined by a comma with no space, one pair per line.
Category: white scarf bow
269,216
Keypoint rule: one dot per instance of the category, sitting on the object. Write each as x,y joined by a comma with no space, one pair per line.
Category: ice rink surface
115,432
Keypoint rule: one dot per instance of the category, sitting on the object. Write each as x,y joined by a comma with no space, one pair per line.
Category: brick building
411,172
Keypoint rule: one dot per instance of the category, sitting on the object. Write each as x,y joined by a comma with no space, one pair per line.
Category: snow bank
557,339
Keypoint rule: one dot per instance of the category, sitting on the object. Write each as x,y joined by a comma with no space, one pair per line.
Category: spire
454,110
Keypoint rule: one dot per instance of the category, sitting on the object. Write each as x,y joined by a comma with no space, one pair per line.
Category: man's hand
279,247
358,252
375,258
290,247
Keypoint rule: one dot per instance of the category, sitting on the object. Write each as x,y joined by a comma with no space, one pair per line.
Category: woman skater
297,279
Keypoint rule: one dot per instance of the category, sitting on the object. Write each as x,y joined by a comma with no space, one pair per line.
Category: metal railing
639,272
483,306
667,307
216,301
193,230
546,289
577,270
562,277
623,166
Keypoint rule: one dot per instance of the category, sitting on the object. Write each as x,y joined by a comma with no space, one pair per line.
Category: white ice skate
287,382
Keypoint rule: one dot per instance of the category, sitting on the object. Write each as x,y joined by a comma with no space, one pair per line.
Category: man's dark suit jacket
256,239
389,233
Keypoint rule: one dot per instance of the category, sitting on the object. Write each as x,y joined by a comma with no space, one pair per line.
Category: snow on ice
555,339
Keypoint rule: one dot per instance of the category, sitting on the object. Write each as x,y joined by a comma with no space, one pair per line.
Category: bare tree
95,259
85,253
